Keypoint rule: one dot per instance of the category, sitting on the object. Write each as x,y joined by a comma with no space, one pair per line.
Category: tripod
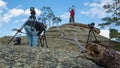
31,18
42,39
32,21
89,39
19,30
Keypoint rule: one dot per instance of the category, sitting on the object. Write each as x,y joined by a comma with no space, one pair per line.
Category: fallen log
103,56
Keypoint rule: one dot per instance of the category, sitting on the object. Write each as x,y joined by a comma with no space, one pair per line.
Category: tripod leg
88,36
45,40
40,41
94,36
16,33
31,40
12,38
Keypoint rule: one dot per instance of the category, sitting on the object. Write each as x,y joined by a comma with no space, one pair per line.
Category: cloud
11,13
38,12
65,16
15,12
96,9
3,4
105,33
106,2
6,16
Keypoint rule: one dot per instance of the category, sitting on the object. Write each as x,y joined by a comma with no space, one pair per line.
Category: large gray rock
30,57
61,53
71,30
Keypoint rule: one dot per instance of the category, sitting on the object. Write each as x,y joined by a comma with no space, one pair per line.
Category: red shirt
72,13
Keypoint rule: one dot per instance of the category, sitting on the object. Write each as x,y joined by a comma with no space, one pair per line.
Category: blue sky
13,13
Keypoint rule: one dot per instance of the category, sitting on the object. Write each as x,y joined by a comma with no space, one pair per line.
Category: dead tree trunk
103,56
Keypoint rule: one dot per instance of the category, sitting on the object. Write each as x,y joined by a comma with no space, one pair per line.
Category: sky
14,13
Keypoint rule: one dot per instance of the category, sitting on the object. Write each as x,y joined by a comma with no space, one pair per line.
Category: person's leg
70,20
35,41
73,19
34,38
28,32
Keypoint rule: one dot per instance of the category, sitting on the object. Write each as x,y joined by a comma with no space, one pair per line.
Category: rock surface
61,53
36,57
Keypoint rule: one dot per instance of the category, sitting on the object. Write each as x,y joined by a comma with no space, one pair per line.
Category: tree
47,15
56,20
114,9
114,34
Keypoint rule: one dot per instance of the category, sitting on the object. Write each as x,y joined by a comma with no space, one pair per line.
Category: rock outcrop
75,30
30,57
63,51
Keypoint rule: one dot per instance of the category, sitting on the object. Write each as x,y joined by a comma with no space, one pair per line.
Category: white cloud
5,17
3,4
96,9
38,12
92,4
85,12
65,16
106,2
11,13
15,12
105,33
27,12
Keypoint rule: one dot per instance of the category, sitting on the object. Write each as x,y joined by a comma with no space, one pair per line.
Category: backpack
40,27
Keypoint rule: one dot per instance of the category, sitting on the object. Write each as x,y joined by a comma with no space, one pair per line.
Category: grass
117,47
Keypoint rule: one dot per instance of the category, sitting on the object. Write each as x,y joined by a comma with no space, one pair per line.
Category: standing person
30,29
72,13
31,35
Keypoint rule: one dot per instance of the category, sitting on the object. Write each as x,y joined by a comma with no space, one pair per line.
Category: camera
91,25
32,10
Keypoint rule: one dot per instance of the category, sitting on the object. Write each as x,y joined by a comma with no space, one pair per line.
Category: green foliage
117,46
110,20
48,16
106,6
104,24
114,34
113,8
56,20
